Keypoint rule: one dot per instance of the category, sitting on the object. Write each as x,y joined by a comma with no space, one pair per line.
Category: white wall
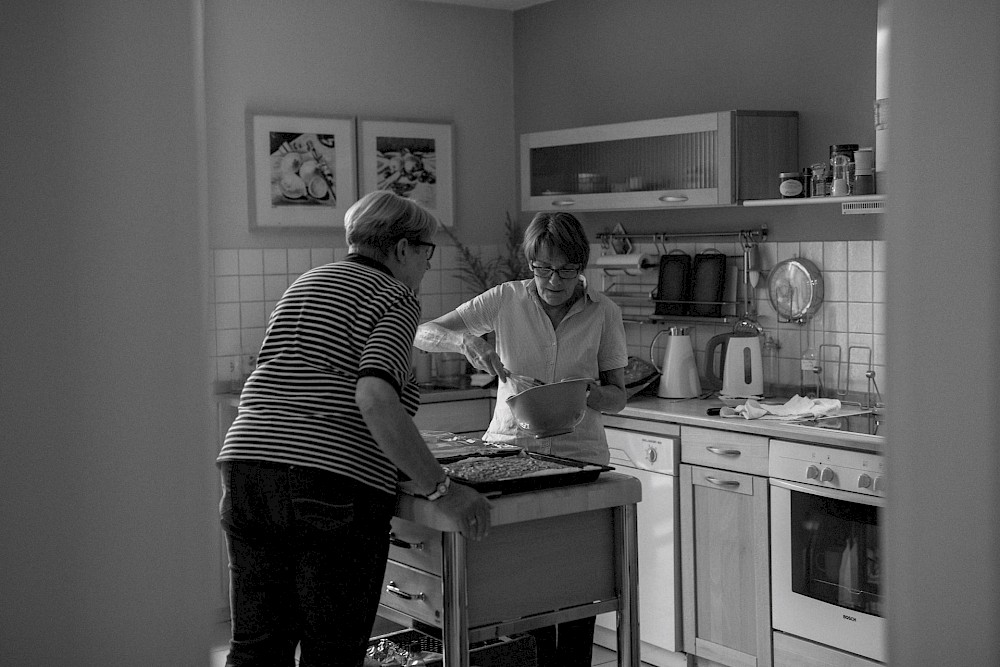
370,59
106,476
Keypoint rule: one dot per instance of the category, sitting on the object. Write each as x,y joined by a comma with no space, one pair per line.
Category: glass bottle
416,656
770,350
235,375
817,186
841,176
807,368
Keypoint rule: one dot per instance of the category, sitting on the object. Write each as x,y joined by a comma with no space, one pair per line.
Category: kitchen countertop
693,412
686,411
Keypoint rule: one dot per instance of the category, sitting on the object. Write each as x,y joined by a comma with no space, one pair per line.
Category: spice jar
791,185
841,176
817,187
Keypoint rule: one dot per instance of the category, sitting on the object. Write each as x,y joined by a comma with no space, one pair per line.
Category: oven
827,578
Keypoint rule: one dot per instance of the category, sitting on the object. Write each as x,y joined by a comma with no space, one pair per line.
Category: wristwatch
441,489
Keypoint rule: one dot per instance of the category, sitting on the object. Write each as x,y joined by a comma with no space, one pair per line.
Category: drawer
724,449
415,545
413,592
454,416
722,480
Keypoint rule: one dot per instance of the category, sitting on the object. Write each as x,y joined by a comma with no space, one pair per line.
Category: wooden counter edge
611,489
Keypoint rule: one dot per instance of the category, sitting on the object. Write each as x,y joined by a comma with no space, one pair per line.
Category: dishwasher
650,451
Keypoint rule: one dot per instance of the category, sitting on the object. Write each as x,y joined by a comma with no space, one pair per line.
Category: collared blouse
589,339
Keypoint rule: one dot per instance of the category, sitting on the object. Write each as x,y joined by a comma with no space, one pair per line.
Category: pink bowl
551,409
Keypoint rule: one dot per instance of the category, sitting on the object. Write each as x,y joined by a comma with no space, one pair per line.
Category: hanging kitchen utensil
708,284
795,290
674,283
747,324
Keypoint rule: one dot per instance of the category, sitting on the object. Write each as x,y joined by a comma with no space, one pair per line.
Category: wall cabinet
724,547
709,159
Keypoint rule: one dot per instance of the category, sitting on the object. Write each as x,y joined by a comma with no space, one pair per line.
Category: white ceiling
509,5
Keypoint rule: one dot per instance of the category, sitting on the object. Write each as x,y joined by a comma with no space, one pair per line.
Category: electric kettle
679,373
741,361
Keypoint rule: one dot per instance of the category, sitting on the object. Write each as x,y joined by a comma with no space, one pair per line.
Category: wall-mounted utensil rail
607,239
612,242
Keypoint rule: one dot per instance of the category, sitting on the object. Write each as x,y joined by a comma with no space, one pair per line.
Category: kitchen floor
220,639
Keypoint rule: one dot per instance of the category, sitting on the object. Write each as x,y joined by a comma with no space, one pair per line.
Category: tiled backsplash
248,283
850,324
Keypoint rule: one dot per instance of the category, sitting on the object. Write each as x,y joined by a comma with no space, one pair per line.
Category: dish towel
797,407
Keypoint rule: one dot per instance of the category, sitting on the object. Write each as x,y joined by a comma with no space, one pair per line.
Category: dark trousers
569,644
307,553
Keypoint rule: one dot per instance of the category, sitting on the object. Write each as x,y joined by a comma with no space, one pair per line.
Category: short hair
560,231
381,218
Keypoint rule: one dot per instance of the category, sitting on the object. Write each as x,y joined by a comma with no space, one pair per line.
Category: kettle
679,374
741,361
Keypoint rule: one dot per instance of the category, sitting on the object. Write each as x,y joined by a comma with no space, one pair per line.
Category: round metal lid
795,289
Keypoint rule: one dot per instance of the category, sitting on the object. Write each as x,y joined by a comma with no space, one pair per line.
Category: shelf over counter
852,205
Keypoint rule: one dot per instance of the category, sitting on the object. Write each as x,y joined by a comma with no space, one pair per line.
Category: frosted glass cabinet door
683,161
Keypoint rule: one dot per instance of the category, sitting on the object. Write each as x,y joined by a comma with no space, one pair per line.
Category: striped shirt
335,324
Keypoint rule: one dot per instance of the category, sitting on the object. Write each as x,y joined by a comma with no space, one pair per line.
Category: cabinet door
644,164
724,564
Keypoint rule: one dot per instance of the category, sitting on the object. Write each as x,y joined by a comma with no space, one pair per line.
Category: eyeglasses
566,273
432,247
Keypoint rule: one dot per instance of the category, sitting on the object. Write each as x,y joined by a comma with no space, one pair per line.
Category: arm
610,395
448,333
400,440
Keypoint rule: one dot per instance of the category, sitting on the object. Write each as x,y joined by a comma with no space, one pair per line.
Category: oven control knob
865,481
812,472
651,454
827,475
878,484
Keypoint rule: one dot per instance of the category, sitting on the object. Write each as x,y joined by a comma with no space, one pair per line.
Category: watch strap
442,489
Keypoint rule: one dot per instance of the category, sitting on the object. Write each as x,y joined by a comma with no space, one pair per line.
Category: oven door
826,567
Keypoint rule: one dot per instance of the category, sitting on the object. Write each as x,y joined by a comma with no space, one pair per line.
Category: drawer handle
403,544
391,587
563,202
724,452
668,199
724,483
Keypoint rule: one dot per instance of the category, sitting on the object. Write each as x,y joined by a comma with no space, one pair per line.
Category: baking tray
448,447
674,283
576,472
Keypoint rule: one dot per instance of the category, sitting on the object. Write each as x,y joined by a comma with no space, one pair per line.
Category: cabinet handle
391,587
403,544
563,202
724,483
673,198
724,452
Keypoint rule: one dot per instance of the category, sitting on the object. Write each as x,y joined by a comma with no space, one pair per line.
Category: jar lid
789,174
836,148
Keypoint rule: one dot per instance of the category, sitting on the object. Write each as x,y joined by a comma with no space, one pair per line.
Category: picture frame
303,170
413,159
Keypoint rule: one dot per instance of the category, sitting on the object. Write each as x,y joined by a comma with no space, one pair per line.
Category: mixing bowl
550,409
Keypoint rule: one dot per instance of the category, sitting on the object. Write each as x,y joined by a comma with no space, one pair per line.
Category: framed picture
303,171
412,159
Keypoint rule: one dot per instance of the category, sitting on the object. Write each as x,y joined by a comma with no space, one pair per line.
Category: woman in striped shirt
311,465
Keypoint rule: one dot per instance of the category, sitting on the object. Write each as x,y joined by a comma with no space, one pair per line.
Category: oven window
836,553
